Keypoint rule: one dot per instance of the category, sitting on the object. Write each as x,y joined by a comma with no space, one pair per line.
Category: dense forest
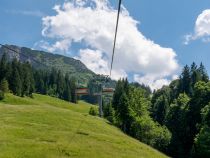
174,119
24,80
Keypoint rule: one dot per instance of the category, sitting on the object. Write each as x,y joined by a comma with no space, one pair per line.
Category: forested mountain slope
45,60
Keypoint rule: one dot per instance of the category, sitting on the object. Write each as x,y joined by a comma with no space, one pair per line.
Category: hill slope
49,127
45,60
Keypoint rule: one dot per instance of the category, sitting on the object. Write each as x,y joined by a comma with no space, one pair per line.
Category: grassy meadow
46,127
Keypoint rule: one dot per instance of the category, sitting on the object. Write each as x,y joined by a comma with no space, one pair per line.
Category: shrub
151,133
1,95
93,111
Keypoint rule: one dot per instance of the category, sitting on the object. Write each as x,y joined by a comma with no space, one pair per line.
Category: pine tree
195,74
60,84
26,80
160,109
73,90
185,85
16,85
67,89
4,86
203,72
3,66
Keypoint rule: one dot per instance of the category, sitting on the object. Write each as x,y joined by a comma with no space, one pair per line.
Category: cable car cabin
82,91
108,90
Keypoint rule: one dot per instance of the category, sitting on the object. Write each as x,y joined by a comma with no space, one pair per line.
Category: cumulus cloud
152,80
59,46
98,63
202,28
92,24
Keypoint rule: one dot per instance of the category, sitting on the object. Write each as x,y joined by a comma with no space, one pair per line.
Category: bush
93,111
151,133
1,95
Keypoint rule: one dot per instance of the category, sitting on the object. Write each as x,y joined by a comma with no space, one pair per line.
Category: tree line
174,119
24,80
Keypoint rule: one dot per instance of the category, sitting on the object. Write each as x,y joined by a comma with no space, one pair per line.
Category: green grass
46,127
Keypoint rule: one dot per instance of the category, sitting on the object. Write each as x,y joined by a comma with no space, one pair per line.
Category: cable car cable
115,37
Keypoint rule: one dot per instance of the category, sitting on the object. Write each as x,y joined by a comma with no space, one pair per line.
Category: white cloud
36,13
92,23
95,61
59,46
154,81
202,28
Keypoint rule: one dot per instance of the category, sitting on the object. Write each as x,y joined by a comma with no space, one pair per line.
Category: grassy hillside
46,127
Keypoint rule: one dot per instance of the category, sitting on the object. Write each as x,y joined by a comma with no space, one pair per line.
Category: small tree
4,86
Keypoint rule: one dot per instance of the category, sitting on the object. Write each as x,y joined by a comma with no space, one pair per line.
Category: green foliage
203,72
93,111
3,66
202,143
108,111
15,82
55,84
185,85
160,104
151,133
132,105
176,122
4,86
179,105
160,109
205,113
1,95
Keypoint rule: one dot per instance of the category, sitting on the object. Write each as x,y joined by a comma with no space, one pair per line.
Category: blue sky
165,22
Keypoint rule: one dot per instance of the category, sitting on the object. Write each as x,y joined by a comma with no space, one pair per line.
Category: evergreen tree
195,74
185,85
108,112
203,72
60,84
26,85
73,90
4,86
202,142
3,66
160,109
15,82
67,90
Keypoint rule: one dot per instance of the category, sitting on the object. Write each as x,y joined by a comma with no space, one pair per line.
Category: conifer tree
185,85
26,80
3,66
4,86
15,82
203,72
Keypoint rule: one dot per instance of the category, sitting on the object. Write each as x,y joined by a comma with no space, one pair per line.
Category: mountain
45,60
